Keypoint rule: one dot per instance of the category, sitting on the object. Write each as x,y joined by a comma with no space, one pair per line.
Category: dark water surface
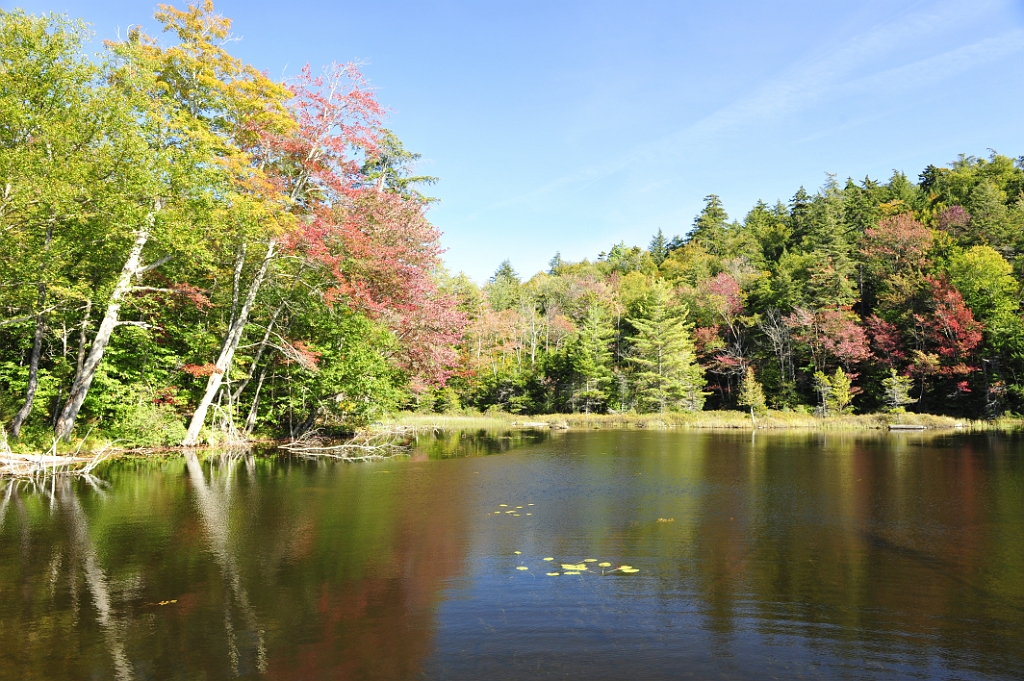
781,556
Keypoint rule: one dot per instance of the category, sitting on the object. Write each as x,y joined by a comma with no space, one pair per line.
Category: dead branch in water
365,445
15,465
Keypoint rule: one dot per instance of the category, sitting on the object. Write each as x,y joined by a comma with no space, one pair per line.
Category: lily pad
572,566
604,564
590,560
571,572
549,558
553,574
522,567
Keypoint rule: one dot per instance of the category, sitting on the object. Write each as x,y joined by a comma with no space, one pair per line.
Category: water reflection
232,567
833,556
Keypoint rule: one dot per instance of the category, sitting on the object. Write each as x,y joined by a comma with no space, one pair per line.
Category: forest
191,250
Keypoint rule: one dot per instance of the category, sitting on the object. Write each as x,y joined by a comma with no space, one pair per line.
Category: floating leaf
518,506
522,567
571,566
515,515
624,567
502,505
497,513
571,572
604,564
553,574
629,571
549,558
529,504
529,514
518,553
590,560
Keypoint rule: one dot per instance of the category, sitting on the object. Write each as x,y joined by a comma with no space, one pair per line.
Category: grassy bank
733,420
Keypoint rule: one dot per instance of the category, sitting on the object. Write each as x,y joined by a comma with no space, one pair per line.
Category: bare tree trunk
83,337
37,349
250,420
83,379
227,353
33,367
259,352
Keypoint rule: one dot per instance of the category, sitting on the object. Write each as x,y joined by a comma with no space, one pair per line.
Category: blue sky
571,126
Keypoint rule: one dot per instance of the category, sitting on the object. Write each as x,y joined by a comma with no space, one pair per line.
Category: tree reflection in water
276,568
831,555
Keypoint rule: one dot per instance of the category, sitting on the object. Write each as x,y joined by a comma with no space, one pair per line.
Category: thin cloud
828,77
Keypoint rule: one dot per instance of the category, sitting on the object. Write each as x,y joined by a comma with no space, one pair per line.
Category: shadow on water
442,444
939,566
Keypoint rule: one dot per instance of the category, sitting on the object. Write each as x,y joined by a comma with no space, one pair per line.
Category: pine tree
504,288
591,359
836,392
668,376
841,396
897,393
709,228
752,395
658,248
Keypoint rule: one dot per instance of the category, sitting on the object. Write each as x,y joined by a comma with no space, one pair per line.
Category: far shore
712,420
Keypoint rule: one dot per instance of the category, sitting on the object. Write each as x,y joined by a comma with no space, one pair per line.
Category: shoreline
85,451
705,420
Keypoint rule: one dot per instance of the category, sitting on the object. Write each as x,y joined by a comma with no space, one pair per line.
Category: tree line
191,250
864,296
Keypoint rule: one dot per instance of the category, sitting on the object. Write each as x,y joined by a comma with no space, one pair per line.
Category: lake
777,555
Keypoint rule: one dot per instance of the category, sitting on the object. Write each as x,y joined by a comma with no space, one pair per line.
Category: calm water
836,557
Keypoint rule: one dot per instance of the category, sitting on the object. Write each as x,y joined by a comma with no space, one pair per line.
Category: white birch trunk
227,353
84,378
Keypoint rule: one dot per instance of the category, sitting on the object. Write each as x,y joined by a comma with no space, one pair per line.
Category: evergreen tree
658,248
590,359
709,228
835,392
390,168
752,395
503,289
897,393
668,376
